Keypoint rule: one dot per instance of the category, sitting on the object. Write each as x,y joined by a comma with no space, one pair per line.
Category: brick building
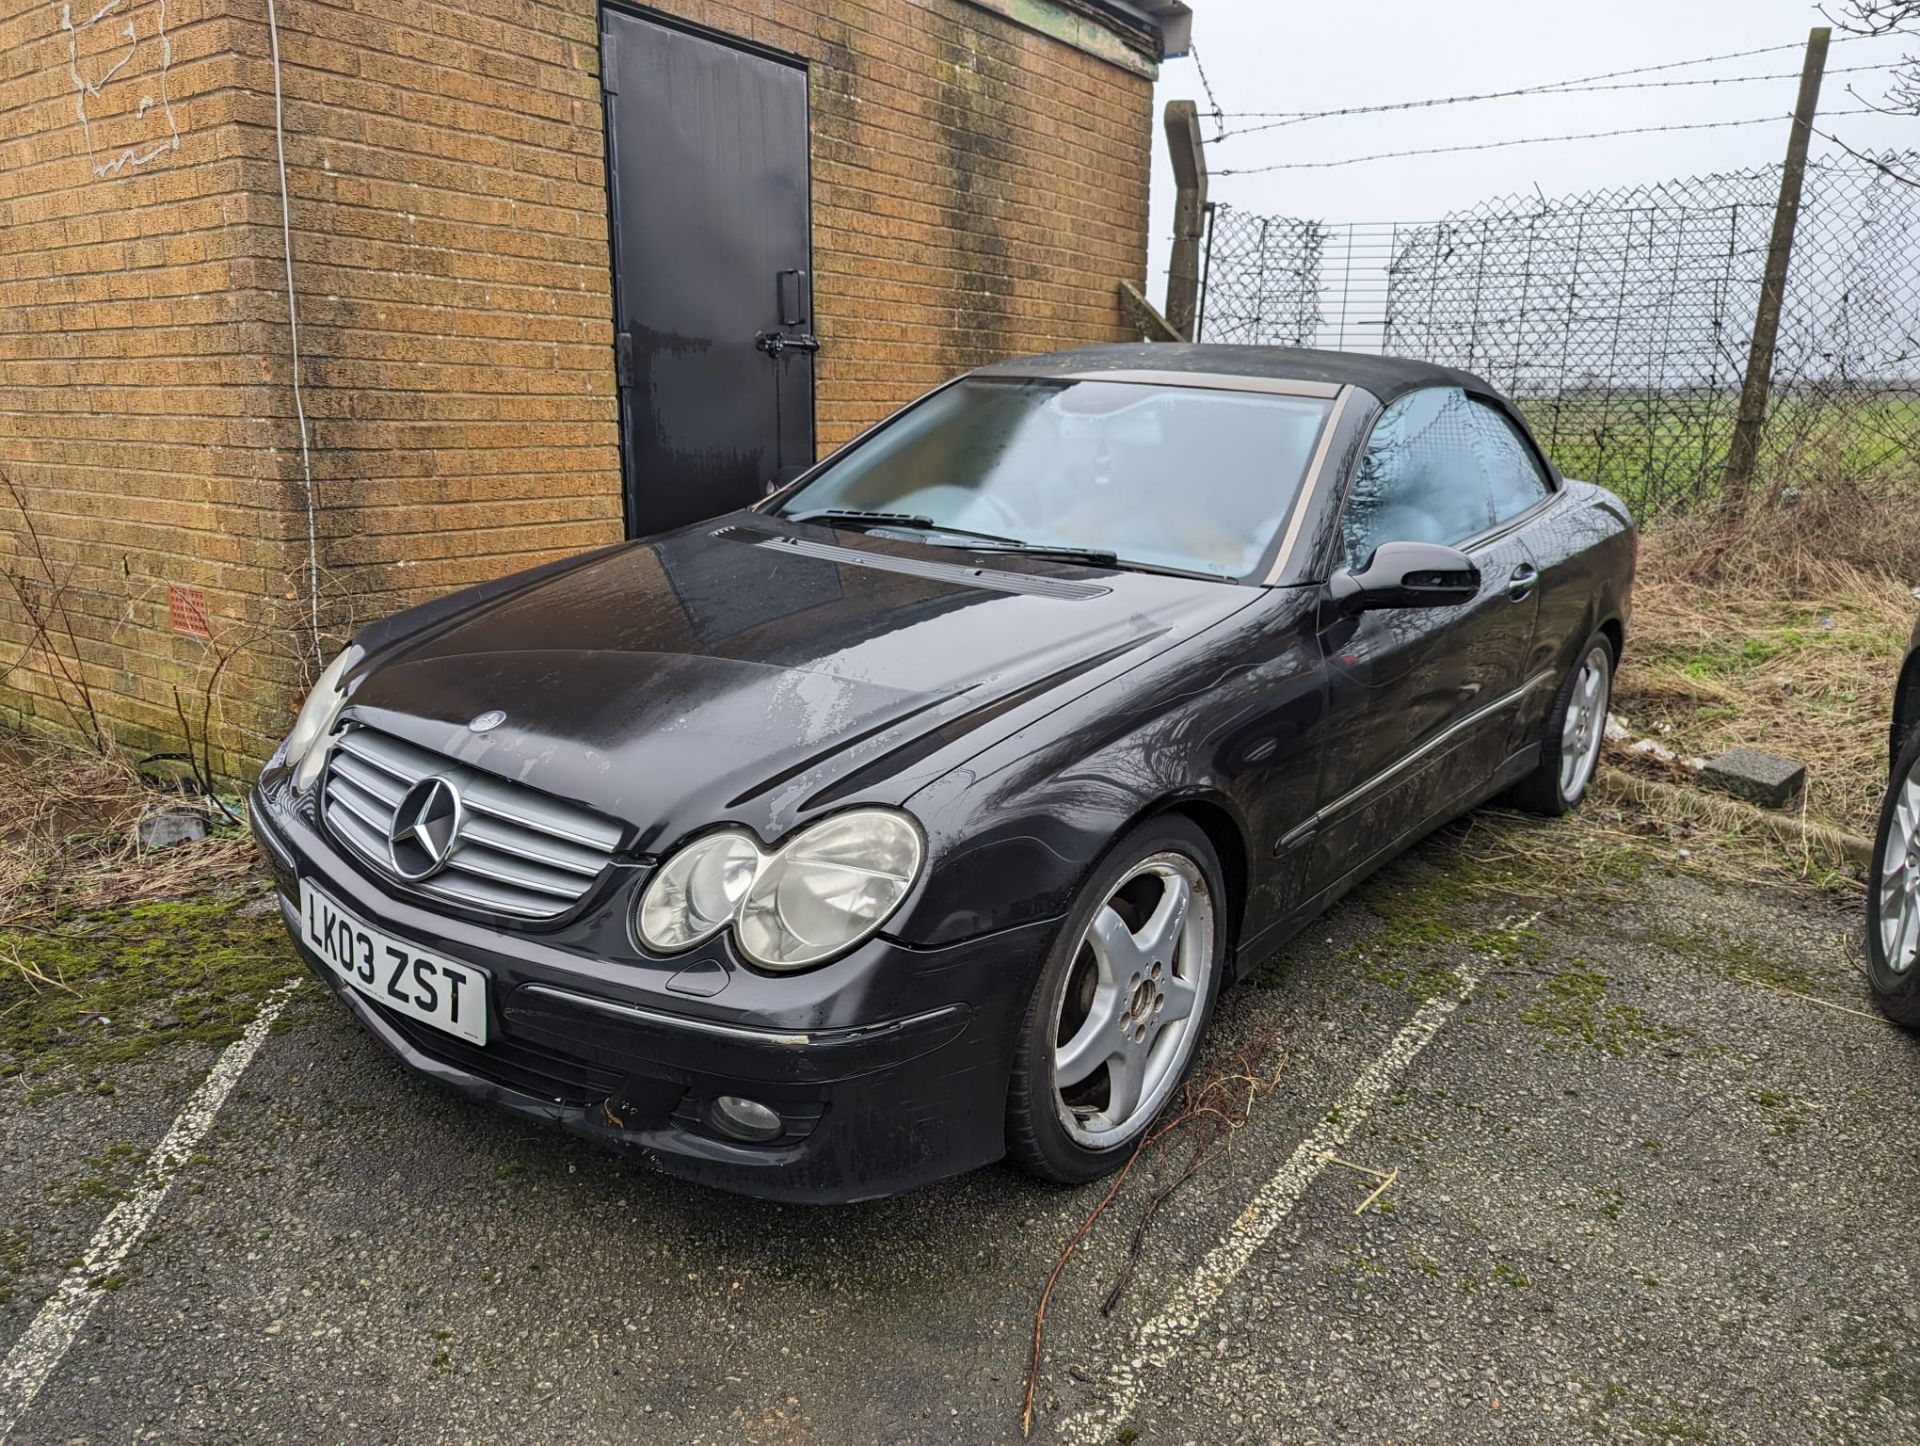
313,309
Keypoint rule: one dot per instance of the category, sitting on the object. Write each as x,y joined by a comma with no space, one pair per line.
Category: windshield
1180,477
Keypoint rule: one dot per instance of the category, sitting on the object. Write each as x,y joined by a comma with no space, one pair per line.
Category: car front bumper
910,1089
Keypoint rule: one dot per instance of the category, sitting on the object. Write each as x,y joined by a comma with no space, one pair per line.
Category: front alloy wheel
1121,1006
1126,1019
1893,898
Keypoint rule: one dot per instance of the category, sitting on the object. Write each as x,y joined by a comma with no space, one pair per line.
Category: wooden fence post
1754,388
1189,213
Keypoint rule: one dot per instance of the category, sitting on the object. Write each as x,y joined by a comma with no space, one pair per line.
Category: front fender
1225,726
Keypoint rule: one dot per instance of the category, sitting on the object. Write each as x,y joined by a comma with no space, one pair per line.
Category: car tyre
1105,1011
1893,894
1571,739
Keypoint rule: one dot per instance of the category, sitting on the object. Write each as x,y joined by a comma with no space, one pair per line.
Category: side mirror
1406,575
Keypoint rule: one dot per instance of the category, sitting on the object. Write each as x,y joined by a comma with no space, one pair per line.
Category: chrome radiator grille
514,850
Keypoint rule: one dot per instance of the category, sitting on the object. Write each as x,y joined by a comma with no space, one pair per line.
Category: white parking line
1159,1341
47,1340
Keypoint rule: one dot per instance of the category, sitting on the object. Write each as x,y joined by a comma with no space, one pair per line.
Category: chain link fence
1620,320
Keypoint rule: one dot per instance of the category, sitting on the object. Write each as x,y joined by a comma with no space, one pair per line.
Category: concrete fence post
1189,213
1744,449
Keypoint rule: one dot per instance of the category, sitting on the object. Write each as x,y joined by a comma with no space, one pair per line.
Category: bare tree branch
1874,18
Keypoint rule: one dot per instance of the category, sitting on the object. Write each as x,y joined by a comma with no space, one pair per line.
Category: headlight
819,894
316,720
694,895
829,888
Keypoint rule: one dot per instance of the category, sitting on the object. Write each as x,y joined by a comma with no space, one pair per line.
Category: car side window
1421,478
1515,479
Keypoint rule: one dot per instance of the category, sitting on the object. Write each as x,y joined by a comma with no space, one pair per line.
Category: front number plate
427,987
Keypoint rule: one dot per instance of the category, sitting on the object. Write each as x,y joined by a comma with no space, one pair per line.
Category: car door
1524,497
1421,700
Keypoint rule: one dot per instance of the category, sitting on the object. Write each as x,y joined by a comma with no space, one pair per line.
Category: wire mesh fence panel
1262,279
1620,321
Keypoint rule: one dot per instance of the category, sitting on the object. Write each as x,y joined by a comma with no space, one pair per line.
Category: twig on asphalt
1811,999
1205,1152
1198,1103
1385,1177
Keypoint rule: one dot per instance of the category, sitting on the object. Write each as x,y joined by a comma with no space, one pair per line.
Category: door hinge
623,358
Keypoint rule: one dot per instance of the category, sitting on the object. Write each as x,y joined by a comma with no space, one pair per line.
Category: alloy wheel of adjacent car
1893,898
1121,1005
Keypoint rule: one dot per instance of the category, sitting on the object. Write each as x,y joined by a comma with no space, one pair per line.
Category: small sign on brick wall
187,610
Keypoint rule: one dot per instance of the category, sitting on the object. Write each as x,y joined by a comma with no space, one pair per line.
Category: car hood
758,671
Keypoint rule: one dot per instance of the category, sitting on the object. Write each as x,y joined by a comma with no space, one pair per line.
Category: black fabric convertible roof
1384,376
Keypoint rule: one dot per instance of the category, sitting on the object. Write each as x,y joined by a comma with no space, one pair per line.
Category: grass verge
1784,632
107,951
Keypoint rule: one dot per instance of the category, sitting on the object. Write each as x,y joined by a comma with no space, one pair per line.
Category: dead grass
1784,631
68,836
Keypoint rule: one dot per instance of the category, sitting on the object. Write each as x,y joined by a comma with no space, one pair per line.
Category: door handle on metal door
791,286
1526,577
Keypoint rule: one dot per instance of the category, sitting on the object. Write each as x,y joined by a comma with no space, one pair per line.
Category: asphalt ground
1652,1177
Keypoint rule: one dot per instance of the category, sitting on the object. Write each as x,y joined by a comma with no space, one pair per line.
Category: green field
1665,450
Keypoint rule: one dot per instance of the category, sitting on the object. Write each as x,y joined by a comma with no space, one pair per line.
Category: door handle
1526,577
791,286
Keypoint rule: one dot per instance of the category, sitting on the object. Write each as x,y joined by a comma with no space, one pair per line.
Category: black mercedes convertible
917,816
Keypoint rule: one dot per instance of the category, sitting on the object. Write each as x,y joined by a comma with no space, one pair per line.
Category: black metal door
713,302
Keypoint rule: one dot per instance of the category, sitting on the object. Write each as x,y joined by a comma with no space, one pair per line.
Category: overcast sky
1277,55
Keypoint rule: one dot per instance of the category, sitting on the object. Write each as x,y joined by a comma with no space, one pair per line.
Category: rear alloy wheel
1893,897
1575,730
1121,1006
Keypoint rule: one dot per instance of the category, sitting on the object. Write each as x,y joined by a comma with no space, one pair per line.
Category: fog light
745,1119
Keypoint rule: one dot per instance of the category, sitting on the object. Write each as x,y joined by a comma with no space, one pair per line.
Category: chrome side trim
1432,745
1308,485
731,1031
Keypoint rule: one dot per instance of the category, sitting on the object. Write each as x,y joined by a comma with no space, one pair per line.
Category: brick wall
138,404
978,190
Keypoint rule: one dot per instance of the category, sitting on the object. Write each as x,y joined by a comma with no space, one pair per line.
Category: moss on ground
1878,1368
88,992
1435,908
1573,1006
109,1176
1738,958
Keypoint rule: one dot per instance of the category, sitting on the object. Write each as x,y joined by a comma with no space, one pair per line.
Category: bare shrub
39,593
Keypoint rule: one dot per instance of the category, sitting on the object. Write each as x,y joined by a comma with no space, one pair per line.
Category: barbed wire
1518,141
1219,116
1544,88
1293,118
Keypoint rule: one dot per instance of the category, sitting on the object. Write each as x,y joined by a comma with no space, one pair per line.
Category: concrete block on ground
1755,776
164,830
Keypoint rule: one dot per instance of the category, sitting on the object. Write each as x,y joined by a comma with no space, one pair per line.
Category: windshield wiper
975,541
855,517
979,541
1091,556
